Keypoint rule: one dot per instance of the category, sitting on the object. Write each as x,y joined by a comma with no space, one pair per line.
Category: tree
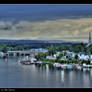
41,55
80,47
19,47
51,50
4,50
59,57
76,57
89,49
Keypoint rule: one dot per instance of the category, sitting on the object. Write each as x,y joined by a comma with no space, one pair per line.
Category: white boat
79,67
87,66
64,66
57,65
27,60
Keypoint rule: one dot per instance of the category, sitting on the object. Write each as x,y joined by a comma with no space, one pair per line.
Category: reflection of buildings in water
84,69
86,79
71,76
6,59
62,78
47,70
28,68
91,73
90,77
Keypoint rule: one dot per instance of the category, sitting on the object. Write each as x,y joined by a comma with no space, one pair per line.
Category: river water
15,75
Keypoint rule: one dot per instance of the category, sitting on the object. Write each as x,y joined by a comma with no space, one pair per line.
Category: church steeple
89,38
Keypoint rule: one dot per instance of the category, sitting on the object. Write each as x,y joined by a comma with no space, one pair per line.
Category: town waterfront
15,75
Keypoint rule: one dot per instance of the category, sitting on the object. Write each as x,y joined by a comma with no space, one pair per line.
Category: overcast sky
45,21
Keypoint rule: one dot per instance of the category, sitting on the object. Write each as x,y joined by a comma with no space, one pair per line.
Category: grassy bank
65,62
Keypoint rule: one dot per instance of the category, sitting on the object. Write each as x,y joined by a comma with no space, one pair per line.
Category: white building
50,57
83,57
1,54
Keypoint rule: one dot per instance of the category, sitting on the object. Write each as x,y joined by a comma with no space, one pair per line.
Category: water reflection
6,59
62,78
90,78
13,74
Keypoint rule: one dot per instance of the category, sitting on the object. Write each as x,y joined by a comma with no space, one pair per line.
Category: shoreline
58,65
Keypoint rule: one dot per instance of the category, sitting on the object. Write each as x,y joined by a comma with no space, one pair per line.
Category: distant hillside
37,43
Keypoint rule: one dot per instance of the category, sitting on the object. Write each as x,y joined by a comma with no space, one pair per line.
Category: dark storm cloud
60,29
38,12
50,22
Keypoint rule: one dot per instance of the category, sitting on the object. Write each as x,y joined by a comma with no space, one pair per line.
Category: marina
28,61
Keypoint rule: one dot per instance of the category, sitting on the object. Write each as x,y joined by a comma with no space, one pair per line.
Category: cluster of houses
39,50
67,56
71,55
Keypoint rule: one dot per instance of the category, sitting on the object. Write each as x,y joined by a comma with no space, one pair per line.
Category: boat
58,65
79,67
27,61
87,66
64,66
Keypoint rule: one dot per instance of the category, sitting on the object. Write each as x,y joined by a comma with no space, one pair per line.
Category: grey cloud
49,30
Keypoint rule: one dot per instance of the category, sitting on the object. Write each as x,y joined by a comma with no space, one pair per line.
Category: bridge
24,53
20,53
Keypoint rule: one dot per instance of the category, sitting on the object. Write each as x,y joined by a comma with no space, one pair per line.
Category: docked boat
27,61
79,67
87,66
56,65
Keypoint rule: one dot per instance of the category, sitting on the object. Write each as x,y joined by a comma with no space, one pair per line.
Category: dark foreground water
15,75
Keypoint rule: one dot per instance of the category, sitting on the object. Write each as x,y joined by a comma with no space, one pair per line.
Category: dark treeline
52,47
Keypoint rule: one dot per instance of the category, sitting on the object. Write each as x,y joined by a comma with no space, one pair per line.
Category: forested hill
37,42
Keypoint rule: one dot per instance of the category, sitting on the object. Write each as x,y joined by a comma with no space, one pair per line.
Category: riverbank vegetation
75,48
52,50
66,62
12,47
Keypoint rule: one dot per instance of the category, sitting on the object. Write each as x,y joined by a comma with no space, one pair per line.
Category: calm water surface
15,75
